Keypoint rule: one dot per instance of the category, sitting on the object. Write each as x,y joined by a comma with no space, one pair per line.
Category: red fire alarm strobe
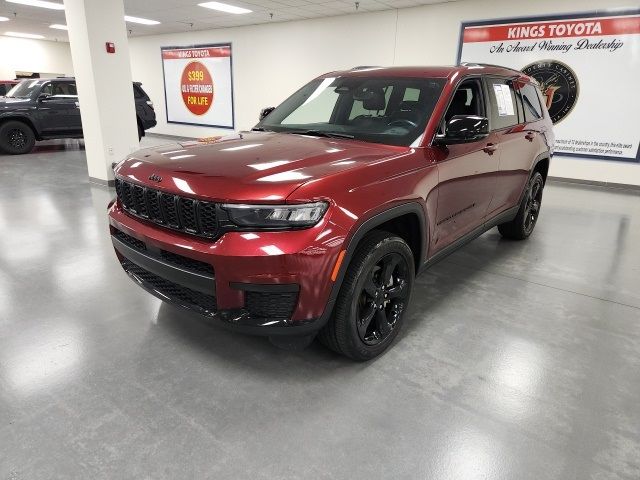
111,47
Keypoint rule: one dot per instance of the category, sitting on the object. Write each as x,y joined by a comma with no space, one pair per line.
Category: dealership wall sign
198,85
587,65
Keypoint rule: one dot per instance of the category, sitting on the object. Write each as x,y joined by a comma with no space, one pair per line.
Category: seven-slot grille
172,211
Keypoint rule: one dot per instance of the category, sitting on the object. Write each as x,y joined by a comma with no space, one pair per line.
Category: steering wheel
402,122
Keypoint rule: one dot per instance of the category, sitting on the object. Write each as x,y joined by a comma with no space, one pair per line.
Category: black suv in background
43,109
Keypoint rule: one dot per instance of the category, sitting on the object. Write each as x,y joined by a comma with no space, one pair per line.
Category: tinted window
63,88
385,110
502,98
532,108
466,101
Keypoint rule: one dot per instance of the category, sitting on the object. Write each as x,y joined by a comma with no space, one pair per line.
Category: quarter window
504,111
532,108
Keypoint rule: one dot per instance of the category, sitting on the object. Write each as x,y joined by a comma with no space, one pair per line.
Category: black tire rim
532,208
17,138
382,299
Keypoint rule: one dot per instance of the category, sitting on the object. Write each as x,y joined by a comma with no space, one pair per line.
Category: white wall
20,54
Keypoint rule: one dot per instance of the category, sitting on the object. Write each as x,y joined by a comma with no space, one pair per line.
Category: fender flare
21,118
543,156
365,227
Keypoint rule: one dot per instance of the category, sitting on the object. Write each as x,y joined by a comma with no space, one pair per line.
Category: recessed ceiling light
143,21
223,7
39,3
57,26
23,35
4,19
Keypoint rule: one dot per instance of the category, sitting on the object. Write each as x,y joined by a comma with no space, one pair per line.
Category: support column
105,90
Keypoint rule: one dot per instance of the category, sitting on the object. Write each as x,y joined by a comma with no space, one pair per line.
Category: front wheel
522,226
373,298
16,138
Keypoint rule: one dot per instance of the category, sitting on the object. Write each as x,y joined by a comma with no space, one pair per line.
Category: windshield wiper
259,129
319,133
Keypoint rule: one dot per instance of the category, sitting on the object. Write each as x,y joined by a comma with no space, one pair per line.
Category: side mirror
464,129
43,97
266,111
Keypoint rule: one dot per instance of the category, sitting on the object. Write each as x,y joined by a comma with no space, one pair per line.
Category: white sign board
198,85
587,65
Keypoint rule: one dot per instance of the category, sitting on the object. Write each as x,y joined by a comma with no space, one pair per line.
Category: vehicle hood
6,102
257,166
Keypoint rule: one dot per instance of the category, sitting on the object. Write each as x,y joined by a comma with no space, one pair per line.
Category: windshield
24,89
392,111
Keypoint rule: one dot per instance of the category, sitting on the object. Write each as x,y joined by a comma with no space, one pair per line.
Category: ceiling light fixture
142,21
223,7
23,35
57,26
39,3
4,19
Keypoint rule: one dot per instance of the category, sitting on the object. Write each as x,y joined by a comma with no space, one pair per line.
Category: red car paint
457,187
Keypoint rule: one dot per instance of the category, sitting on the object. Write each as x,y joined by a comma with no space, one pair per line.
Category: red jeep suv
317,221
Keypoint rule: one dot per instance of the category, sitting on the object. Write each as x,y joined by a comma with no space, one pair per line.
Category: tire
522,226
360,328
16,137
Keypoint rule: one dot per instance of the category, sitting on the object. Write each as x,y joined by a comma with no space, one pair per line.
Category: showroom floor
519,360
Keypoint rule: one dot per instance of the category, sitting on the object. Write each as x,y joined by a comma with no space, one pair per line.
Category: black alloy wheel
382,299
532,208
16,137
522,225
373,298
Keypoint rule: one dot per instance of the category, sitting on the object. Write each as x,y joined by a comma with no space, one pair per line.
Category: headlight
276,216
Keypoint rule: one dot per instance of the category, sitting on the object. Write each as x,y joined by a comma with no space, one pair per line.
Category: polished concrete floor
519,360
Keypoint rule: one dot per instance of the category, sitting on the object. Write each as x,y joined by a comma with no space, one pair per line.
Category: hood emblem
155,178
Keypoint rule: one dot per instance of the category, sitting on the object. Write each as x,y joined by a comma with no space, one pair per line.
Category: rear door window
504,107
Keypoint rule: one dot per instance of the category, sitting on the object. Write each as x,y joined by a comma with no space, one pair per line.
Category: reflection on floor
520,360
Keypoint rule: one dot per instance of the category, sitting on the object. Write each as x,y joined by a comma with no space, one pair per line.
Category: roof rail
476,64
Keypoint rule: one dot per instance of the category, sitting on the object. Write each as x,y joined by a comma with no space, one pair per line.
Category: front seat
459,105
374,100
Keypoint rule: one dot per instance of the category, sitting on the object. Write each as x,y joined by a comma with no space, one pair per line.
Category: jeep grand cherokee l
317,221
43,109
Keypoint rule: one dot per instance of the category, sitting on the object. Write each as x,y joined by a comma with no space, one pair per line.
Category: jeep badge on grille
155,178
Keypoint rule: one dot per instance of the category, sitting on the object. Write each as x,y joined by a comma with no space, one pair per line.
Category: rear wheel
373,298
16,138
522,226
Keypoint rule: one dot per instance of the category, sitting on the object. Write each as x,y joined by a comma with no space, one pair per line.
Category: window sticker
504,100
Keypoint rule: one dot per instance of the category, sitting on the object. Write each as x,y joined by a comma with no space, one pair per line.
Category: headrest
373,99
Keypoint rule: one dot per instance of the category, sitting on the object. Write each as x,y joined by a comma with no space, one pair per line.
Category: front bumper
266,283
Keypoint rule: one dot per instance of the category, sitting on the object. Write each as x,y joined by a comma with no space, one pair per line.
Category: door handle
490,148
530,136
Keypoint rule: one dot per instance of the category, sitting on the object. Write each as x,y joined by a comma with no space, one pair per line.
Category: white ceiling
185,15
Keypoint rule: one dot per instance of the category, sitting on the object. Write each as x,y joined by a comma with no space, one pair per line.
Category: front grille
198,301
129,240
270,304
174,211
186,263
